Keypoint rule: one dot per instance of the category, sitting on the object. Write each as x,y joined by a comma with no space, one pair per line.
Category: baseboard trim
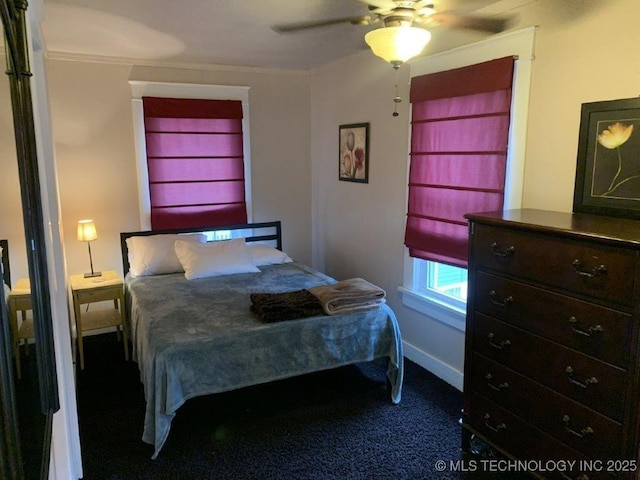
440,369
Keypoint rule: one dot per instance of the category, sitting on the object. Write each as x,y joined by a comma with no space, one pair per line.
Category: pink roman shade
459,136
195,160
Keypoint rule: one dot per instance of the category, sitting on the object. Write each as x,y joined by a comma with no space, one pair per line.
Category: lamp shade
397,44
87,231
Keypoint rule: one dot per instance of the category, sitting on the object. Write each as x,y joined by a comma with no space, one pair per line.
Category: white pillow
266,255
214,258
155,254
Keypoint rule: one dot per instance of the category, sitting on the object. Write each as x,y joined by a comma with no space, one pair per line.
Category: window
191,92
435,284
218,235
442,283
459,137
195,162
447,280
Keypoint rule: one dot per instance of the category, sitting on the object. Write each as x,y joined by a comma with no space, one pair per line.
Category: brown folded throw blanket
275,307
346,296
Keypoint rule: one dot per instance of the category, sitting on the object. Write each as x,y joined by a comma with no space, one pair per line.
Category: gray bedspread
198,337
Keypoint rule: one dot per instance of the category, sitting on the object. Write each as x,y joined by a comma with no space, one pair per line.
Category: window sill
440,311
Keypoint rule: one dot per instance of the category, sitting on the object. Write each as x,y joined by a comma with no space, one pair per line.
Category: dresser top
596,227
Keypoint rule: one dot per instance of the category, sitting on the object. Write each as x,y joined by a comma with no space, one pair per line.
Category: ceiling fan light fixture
397,44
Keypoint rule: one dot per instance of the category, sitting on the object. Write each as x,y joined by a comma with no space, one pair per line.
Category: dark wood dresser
552,340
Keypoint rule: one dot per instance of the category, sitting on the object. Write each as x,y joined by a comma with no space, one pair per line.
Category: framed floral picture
608,169
353,147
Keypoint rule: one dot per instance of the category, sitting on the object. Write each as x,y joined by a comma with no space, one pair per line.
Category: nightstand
106,287
20,301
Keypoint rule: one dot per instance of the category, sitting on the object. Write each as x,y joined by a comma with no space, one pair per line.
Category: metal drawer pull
497,428
585,384
498,346
501,303
504,253
582,433
587,333
493,386
577,264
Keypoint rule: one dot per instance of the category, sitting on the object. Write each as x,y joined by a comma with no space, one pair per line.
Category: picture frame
608,164
353,157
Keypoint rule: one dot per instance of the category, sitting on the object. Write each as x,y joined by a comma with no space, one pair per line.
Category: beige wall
583,53
93,133
583,56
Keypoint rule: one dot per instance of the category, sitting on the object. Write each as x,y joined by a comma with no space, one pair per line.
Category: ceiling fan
395,13
403,31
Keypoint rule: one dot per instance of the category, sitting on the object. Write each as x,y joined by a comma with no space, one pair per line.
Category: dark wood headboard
255,236
6,271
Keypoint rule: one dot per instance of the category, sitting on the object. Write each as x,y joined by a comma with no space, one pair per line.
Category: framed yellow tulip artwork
608,168
353,148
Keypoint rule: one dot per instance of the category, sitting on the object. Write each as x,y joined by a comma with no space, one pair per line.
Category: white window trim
520,44
434,308
141,89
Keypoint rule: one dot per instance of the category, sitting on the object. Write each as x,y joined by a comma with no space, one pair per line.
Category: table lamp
87,233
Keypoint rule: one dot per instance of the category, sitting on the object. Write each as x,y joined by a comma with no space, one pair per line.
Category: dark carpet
337,424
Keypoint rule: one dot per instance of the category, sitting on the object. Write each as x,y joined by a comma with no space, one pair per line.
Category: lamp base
92,274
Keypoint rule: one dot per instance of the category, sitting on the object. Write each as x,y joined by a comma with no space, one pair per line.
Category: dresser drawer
523,440
598,271
595,330
585,379
568,421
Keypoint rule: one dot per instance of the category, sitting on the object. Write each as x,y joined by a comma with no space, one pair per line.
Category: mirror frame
13,13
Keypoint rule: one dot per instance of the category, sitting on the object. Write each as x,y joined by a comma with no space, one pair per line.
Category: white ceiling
229,32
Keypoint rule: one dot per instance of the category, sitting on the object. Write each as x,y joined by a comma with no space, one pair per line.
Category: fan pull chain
396,99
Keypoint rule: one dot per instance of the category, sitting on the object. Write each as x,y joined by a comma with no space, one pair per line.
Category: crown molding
81,57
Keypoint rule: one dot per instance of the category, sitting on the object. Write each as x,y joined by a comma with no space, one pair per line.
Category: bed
197,336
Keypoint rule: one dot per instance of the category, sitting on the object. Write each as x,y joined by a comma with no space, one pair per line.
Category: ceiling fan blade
482,24
379,4
296,27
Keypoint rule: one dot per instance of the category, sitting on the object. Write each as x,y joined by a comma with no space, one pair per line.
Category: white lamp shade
397,44
87,231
